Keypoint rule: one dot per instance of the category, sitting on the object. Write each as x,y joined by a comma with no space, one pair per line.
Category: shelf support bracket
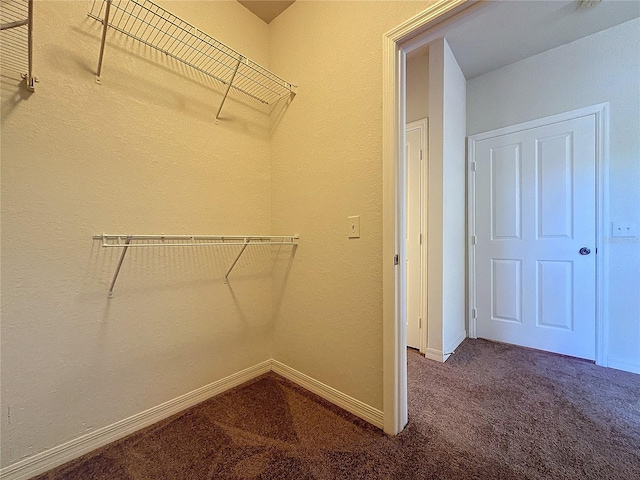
17,23
105,25
29,79
226,276
229,88
115,275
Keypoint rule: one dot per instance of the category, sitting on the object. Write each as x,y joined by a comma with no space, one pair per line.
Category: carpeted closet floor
492,411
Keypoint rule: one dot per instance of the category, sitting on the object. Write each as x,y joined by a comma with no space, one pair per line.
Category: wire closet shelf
145,241
157,28
16,25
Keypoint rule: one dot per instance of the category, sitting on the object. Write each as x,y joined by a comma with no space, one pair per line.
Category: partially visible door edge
423,124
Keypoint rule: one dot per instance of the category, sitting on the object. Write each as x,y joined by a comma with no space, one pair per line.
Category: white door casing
413,33
533,206
416,138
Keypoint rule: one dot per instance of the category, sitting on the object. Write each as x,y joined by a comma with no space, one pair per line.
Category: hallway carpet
491,412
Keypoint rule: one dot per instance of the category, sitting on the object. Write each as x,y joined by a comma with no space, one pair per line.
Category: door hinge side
473,239
396,259
420,322
421,155
474,313
473,166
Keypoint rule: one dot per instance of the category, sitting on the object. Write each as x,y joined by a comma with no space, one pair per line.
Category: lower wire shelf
146,241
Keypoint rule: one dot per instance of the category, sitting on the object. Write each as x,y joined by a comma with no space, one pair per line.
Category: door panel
554,283
555,210
535,209
506,187
506,301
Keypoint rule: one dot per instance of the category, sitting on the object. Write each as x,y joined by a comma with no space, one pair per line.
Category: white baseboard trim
451,348
54,457
623,365
433,354
443,356
350,404
41,462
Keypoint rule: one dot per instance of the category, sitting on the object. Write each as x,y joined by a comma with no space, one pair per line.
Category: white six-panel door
535,223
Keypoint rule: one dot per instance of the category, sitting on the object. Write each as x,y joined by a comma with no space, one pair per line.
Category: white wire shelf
145,241
16,38
157,28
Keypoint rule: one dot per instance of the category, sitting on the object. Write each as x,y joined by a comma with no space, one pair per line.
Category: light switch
623,229
354,226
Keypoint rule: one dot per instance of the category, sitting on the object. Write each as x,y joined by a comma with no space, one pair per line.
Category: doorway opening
434,25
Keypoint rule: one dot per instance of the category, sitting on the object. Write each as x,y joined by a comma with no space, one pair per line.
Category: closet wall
327,165
138,154
142,154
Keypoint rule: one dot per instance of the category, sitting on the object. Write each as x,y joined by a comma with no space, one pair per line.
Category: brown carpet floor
491,412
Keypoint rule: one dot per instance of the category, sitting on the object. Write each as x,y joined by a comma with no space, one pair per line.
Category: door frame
414,33
423,124
601,114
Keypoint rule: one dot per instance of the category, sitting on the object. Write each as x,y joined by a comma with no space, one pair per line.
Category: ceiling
267,10
504,32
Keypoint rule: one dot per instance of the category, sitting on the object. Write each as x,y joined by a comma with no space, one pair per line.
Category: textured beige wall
138,154
141,154
326,166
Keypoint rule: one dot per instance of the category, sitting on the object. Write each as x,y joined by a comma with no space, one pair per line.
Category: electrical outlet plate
354,226
624,229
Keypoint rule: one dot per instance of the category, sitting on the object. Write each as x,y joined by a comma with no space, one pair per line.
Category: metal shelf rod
111,240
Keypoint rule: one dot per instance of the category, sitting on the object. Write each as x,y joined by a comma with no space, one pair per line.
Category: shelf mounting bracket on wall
157,28
244,247
141,241
115,275
105,26
235,71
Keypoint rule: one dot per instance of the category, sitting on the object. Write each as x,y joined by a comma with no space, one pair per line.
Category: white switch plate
354,226
624,229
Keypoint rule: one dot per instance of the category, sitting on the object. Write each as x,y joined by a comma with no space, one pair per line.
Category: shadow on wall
193,93
240,113
193,277
21,93
278,111
280,275
253,117
167,268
